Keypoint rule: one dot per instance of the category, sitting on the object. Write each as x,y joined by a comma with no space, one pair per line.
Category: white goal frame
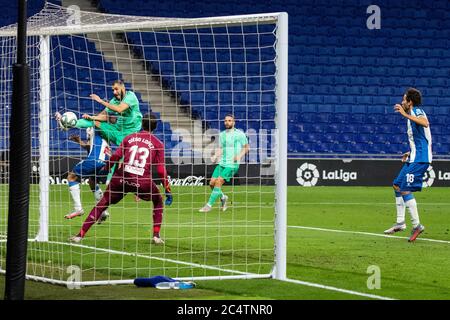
281,104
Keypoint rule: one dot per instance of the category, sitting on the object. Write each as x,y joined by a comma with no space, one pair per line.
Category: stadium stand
79,70
344,78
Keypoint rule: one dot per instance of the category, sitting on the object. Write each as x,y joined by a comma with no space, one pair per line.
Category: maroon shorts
119,186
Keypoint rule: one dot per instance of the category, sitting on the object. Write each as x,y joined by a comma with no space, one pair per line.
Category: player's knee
219,182
72,177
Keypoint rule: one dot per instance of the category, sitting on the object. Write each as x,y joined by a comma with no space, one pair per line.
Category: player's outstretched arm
84,144
120,108
89,121
102,117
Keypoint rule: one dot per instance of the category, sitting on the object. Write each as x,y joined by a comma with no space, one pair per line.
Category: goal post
190,73
282,127
44,137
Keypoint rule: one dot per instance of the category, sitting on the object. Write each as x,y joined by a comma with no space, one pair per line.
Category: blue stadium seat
340,117
334,65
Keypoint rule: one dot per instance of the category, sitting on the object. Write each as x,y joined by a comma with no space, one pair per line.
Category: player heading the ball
416,162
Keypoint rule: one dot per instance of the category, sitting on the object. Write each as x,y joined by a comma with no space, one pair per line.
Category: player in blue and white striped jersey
91,167
417,161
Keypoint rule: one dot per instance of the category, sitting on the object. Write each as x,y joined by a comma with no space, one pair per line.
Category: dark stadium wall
180,174
312,172
301,172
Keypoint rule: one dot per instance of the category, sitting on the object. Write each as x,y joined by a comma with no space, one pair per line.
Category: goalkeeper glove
169,199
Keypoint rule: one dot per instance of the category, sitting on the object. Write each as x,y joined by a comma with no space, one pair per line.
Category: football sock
74,188
94,215
84,123
110,174
157,210
411,204
216,193
401,209
98,193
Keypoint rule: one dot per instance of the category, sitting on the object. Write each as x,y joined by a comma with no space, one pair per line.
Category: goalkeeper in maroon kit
139,151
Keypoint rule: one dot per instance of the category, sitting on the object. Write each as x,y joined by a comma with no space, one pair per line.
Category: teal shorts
111,133
225,173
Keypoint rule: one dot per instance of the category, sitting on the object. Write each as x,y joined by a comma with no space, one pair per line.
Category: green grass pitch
334,235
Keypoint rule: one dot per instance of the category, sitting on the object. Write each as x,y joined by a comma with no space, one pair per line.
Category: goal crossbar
48,22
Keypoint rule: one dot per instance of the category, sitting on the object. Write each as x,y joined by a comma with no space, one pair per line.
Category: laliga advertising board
338,172
301,172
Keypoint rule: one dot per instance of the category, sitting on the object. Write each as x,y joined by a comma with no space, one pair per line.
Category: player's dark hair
149,122
414,96
118,81
229,115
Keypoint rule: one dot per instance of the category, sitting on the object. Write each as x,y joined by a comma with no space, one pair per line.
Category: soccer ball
69,120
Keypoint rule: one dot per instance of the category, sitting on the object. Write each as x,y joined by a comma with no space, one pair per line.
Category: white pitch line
365,203
147,257
321,286
366,234
304,283
264,205
220,226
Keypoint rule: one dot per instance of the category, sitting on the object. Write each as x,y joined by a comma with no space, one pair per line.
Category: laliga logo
429,177
307,175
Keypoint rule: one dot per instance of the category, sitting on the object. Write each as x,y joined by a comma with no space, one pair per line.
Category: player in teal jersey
233,145
121,115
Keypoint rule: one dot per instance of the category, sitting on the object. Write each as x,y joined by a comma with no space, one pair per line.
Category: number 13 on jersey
137,160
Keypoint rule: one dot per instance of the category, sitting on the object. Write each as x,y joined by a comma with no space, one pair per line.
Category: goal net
190,73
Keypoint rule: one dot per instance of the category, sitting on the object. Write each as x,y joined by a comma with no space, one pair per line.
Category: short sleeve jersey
231,142
99,148
419,139
130,120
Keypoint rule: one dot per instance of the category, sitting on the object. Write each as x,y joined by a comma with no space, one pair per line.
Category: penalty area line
366,234
330,288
